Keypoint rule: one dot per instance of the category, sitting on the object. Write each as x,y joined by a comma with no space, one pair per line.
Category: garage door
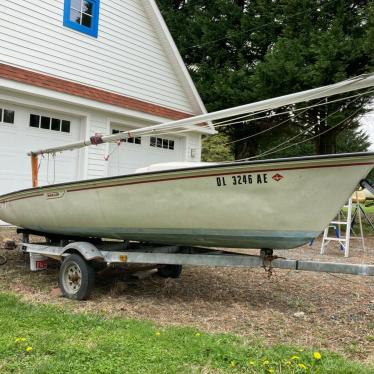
23,129
142,151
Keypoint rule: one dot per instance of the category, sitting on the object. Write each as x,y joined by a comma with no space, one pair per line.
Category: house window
137,140
45,123
82,15
48,123
65,126
56,124
162,143
6,115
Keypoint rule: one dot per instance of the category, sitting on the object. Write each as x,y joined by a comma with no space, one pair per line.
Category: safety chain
268,266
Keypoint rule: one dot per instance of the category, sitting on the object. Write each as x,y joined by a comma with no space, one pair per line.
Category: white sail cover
353,84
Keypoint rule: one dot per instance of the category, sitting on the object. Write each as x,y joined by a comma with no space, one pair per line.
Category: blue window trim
93,30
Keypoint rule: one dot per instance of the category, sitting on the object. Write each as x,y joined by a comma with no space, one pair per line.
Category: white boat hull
268,204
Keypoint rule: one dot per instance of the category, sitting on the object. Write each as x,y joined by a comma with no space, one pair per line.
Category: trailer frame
171,258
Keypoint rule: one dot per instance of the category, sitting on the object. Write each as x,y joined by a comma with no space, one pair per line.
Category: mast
352,84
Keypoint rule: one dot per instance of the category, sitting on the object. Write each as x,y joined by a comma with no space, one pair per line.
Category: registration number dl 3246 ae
243,179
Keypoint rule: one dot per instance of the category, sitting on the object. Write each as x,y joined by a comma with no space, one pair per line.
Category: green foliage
327,46
244,51
216,149
352,140
62,342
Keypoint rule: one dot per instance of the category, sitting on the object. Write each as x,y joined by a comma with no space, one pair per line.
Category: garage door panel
128,157
17,139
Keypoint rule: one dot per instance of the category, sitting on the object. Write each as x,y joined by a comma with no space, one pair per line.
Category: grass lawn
46,339
369,209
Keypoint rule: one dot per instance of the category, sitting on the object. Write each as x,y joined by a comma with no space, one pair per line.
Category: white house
70,69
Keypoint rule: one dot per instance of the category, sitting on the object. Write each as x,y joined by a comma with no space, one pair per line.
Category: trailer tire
76,278
170,271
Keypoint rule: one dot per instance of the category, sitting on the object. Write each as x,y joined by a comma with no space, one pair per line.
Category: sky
368,126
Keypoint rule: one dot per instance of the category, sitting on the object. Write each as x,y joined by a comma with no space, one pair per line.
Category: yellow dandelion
266,362
18,340
271,370
232,364
288,362
317,355
29,349
302,366
157,333
197,334
252,363
295,358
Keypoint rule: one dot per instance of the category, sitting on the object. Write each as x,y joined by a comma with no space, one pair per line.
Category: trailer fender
87,250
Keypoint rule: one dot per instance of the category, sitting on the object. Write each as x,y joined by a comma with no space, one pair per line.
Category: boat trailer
80,258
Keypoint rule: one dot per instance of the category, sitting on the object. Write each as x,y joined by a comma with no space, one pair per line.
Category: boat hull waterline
279,204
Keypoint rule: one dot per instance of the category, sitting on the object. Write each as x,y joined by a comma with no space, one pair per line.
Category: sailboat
277,204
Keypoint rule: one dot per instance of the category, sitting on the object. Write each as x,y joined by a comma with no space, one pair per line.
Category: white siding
193,147
127,57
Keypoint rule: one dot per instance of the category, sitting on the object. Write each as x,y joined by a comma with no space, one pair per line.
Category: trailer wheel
76,278
170,271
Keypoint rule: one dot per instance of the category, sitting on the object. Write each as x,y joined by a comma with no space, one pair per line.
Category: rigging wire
304,109
54,167
53,155
261,111
227,123
296,136
48,170
177,126
275,149
273,127
109,155
294,110
270,151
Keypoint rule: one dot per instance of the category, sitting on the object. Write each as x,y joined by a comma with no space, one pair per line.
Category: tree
215,149
352,140
245,51
327,46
